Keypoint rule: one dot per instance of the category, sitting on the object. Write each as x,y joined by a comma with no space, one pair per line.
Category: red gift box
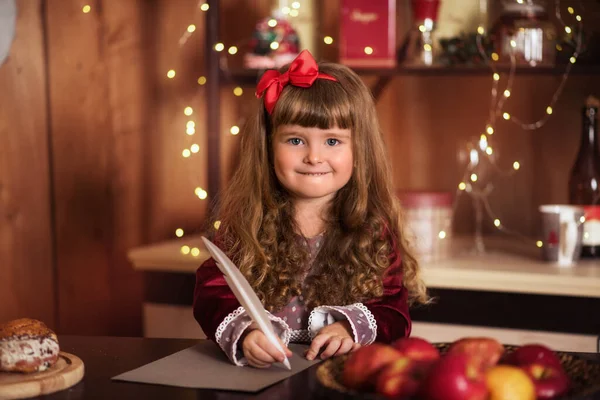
368,25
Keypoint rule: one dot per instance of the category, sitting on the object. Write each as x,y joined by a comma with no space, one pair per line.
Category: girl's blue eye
332,142
295,141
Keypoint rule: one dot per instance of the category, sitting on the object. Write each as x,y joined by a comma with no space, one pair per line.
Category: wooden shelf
498,270
251,76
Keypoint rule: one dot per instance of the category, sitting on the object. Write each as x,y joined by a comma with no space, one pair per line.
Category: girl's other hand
336,339
259,351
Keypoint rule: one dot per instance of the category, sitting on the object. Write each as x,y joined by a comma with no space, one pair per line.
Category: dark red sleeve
213,299
391,310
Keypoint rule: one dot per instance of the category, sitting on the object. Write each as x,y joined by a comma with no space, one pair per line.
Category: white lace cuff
232,328
362,322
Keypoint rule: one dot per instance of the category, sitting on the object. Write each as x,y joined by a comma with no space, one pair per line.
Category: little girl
311,220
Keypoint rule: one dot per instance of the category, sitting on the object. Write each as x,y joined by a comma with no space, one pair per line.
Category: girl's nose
313,156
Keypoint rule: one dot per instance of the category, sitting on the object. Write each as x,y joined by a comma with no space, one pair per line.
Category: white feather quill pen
245,295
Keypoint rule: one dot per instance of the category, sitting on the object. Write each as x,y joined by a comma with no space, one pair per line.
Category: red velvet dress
222,319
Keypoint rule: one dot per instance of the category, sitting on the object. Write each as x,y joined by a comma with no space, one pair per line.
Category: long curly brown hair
257,225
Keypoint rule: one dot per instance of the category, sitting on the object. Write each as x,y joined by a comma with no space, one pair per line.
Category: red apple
550,381
455,377
402,378
362,366
533,354
416,348
487,350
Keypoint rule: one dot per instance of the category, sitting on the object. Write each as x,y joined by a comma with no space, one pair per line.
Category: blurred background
119,123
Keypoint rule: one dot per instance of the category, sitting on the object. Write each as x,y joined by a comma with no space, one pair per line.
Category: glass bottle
585,180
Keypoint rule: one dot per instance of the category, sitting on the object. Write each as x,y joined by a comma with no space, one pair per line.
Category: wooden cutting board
66,372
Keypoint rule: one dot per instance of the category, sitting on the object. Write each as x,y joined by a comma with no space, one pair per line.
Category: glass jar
525,29
428,216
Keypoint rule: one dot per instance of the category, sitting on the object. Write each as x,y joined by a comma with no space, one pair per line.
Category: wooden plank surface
97,105
26,264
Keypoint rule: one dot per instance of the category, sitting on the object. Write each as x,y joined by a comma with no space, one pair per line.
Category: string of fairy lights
480,149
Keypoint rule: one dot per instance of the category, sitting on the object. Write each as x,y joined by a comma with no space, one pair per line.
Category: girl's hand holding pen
336,339
259,351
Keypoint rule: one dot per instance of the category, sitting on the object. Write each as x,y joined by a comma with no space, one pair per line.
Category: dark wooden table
105,357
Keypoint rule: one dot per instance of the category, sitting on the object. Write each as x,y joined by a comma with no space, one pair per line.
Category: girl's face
312,163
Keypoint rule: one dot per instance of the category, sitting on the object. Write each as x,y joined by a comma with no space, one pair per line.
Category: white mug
562,232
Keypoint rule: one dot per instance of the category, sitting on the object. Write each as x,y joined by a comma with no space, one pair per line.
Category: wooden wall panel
26,264
97,116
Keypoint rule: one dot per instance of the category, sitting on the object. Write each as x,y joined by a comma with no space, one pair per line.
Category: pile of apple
474,368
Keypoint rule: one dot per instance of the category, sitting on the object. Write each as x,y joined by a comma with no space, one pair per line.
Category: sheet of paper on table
204,366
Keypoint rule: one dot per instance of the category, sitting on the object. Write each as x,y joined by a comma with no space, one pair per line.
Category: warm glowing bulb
483,138
179,232
516,165
548,110
274,45
507,93
234,130
497,222
490,130
296,5
328,40
506,116
195,252
272,23
186,153
217,224
578,18
188,111
368,50
285,10
232,50
572,59
238,91
568,29
294,13
442,235
489,151
195,148
570,10
427,47
190,125
191,28
201,193
462,186
204,7
185,249
474,177
539,243
513,43
495,56
86,9
219,46
582,219
422,28
171,74
480,30
496,77
202,80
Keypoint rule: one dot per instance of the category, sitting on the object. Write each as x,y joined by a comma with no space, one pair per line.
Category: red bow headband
303,72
